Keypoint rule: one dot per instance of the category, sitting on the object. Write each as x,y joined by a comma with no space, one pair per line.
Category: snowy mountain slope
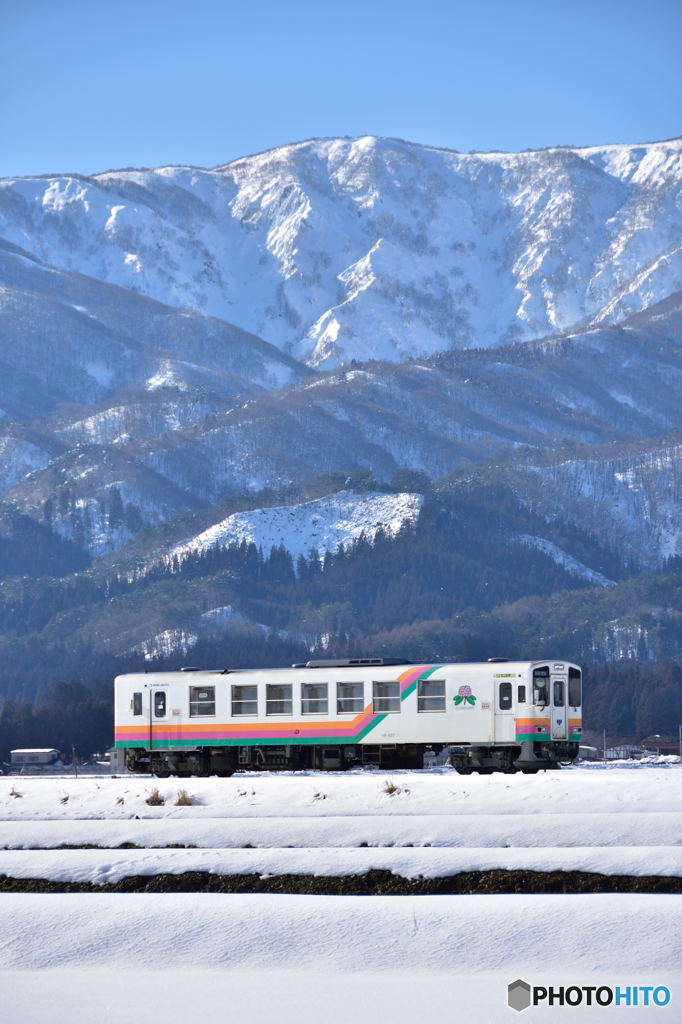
23,451
99,496
199,442
572,565
65,337
637,497
364,248
291,240
326,524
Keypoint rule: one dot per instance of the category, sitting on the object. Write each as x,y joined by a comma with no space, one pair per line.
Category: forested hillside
462,584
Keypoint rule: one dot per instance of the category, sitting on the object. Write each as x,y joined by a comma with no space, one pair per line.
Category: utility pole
73,757
603,749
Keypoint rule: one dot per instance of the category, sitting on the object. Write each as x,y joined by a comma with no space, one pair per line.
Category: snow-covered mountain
340,249
325,524
191,358
172,449
67,338
635,498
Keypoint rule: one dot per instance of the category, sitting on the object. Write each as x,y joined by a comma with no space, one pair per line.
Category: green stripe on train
255,741
413,685
279,741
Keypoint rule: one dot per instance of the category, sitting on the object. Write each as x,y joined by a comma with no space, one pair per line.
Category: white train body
497,715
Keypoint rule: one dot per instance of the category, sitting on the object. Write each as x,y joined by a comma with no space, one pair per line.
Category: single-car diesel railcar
493,716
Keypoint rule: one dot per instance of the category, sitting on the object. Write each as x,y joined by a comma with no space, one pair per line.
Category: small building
116,758
623,753
34,757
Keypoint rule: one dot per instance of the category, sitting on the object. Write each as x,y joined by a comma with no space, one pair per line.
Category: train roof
335,663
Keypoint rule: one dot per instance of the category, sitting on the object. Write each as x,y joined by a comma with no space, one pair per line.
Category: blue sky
88,86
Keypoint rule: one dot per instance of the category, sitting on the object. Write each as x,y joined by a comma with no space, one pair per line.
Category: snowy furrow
401,994
99,867
460,934
360,796
661,828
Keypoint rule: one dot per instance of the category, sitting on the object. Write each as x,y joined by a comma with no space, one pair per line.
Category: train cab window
278,699
386,697
574,694
244,700
137,703
314,699
505,696
541,686
558,693
160,704
521,693
350,698
431,695
201,701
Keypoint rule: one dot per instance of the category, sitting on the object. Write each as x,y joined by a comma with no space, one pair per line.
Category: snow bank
110,866
342,933
354,795
401,996
608,829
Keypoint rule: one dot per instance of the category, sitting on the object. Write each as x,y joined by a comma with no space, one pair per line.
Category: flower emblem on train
464,696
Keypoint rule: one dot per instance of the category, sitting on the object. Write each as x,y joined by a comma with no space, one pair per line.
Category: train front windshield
574,688
541,686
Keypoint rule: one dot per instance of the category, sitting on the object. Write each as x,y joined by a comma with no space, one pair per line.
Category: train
338,714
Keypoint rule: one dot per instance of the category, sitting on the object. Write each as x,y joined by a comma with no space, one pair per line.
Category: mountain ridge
395,287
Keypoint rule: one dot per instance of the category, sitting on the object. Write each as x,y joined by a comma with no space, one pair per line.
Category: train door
505,721
558,704
158,708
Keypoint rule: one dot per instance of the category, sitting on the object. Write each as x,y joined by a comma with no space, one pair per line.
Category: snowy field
300,958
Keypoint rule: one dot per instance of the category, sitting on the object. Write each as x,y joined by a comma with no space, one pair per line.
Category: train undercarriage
227,760
527,757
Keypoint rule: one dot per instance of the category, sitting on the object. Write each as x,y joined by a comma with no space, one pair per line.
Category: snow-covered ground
299,958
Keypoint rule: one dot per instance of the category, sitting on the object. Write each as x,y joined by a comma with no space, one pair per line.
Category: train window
558,693
540,686
574,694
521,693
505,696
386,697
244,700
137,703
431,695
350,698
278,700
201,701
160,704
314,699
